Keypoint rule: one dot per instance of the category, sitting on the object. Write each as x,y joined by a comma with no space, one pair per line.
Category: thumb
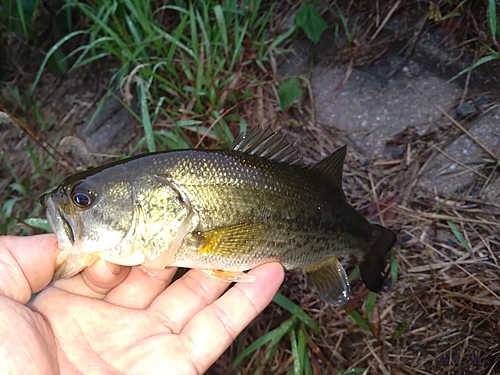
26,265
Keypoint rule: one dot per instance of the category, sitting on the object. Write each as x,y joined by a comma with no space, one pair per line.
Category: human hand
117,320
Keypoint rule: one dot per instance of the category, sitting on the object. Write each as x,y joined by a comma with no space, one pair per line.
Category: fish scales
223,211
230,188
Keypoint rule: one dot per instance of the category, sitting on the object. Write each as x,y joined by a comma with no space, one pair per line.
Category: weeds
311,22
17,16
17,196
185,61
295,328
492,47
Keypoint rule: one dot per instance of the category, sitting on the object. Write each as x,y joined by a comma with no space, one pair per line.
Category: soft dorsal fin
332,166
268,144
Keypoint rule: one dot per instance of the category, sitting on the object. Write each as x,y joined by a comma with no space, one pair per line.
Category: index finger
26,264
215,327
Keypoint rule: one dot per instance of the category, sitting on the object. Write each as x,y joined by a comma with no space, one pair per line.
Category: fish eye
82,195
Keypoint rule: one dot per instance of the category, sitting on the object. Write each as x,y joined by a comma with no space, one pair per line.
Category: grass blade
221,22
394,269
479,62
20,10
403,329
273,336
371,299
146,120
34,159
303,352
300,314
357,318
460,237
297,368
308,370
49,55
283,36
492,19
354,273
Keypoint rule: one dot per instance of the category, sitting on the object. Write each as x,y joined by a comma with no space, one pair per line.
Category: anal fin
228,276
330,281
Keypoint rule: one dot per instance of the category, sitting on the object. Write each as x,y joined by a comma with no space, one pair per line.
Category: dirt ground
420,166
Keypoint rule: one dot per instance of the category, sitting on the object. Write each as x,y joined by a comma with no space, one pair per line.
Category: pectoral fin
73,264
235,240
229,276
330,281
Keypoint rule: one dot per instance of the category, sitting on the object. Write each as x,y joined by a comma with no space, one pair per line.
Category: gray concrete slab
371,107
457,166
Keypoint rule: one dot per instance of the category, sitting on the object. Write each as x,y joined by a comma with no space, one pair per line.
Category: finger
214,328
95,281
186,297
141,287
26,264
103,276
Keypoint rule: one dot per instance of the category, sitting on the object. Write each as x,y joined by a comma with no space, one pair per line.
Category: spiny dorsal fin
332,166
268,144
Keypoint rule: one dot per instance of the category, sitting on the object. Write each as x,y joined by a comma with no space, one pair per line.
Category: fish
221,211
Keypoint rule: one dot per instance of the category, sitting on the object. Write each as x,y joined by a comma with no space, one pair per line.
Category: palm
139,327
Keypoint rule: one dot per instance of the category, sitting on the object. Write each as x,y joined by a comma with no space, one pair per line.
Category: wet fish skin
116,227
225,210
295,206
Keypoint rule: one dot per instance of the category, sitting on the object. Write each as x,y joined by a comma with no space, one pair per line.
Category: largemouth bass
222,211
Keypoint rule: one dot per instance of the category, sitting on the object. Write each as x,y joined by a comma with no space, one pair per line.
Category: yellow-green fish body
224,211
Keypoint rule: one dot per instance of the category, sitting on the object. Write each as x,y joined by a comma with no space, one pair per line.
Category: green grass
453,227
459,236
20,210
16,16
190,63
293,330
492,46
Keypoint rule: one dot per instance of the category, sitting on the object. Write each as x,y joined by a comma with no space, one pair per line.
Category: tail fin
373,264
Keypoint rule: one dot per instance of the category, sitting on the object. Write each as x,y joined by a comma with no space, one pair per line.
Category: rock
75,150
465,109
372,108
369,106
458,169
112,127
482,101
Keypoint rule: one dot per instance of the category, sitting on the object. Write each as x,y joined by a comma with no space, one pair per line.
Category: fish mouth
43,200
58,222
